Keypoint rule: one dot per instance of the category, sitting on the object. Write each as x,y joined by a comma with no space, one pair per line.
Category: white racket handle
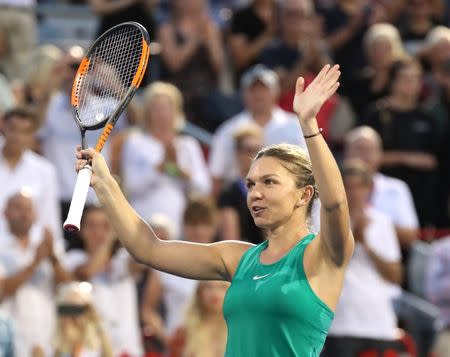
72,223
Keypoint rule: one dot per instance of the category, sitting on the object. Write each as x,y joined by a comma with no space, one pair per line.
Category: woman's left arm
336,238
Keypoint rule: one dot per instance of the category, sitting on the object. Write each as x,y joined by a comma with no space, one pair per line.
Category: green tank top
271,310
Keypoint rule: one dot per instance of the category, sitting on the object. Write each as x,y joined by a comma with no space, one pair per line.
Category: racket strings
113,63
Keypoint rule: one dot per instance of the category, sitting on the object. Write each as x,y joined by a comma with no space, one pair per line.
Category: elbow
396,275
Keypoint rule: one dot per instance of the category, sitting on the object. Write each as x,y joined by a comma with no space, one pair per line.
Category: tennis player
283,292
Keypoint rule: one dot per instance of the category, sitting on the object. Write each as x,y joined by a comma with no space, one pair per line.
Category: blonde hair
170,91
296,161
85,330
388,32
436,35
198,331
252,130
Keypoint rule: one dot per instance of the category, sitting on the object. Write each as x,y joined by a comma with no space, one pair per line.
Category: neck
262,118
287,235
161,134
402,103
292,39
22,239
11,157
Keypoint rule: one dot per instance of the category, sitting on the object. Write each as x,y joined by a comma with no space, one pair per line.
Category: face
211,296
420,8
95,229
67,69
259,98
296,17
272,193
18,133
20,215
367,150
248,148
199,232
357,191
380,53
161,113
408,83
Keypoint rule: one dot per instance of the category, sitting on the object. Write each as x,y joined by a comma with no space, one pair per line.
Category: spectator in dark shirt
236,222
252,28
409,137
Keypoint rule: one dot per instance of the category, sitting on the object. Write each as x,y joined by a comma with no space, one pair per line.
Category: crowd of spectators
228,70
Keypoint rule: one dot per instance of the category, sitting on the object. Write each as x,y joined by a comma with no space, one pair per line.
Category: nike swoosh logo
257,277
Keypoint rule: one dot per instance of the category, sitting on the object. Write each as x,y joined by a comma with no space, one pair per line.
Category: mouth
257,210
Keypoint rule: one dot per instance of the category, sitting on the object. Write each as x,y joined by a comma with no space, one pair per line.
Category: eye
250,185
269,181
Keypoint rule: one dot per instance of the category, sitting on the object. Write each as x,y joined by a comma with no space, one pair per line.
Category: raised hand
307,102
100,170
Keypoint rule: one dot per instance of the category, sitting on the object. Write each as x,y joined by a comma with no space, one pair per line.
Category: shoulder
391,184
231,253
232,123
188,141
39,162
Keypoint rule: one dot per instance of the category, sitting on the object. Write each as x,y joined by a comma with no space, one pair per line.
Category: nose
255,193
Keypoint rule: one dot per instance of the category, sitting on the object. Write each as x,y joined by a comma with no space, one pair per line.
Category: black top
137,12
413,131
234,196
350,56
246,22
279,55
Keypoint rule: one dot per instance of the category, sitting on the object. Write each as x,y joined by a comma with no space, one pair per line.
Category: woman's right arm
216,261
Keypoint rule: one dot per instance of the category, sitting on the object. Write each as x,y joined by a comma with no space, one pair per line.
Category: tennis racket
106,80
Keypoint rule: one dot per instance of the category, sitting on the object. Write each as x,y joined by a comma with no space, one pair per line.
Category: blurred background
219,86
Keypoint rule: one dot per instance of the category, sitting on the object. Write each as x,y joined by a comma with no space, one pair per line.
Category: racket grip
72,223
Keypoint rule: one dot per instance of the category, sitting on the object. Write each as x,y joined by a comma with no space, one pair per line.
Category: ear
305,196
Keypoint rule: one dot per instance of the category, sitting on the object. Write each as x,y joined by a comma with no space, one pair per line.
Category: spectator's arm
229,224
174,55
95,264
416,160
214,46
153,322
61,275
12,283
243,52
390,271
406,236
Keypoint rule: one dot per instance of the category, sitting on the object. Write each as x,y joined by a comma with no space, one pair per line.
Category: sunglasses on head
71,310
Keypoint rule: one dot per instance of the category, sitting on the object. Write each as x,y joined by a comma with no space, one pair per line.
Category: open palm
307,102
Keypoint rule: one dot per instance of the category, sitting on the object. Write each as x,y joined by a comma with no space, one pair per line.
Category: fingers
300,85
322,74
85,153
333,89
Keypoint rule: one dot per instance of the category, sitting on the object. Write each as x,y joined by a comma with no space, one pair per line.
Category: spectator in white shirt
200,226
260,91
111,272
60,135
29,270
22,169
389,195
160,167
365,317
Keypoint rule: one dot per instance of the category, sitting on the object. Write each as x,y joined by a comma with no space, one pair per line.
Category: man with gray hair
260,89
389,195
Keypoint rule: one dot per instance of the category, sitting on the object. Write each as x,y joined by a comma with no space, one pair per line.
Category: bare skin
284,215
